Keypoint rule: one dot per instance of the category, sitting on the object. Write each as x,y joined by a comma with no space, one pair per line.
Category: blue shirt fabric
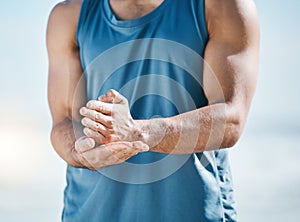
154,61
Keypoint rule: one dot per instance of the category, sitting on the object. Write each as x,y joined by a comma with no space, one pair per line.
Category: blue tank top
155,62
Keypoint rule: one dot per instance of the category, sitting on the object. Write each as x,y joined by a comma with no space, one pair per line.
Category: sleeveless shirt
155,62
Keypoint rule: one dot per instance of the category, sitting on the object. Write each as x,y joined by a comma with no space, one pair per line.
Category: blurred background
265,162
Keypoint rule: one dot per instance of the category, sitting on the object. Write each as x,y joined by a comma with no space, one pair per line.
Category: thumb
84,144
113,96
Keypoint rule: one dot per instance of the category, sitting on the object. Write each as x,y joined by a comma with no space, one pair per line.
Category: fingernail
85,131
90,105
90,142
82,111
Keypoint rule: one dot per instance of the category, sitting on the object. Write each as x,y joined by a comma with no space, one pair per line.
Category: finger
113,96
85,162
107,97
84,144
113,153
140,146
124,151
98,157
87,122
115,147
119,153
98,137
99,106
98,117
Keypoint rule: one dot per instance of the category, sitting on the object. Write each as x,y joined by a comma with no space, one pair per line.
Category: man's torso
147,59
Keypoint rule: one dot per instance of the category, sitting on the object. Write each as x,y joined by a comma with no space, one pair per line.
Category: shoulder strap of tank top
200,7
84,9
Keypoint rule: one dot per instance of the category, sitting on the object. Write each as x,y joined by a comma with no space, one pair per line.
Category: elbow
232,136
59,140
236,115
233,132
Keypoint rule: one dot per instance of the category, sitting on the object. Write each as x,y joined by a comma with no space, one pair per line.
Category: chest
173,20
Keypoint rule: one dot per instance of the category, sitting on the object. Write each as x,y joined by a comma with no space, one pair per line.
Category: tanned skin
231,53
65,73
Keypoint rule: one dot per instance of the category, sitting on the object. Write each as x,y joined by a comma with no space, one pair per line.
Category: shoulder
63,19
232,18
67,7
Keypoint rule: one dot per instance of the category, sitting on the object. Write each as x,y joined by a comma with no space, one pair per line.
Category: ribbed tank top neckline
131,23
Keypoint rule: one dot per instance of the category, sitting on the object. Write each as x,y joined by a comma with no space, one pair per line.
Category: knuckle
97,126
91,134
97,116
109,139
97,136
110,131
93,115
109,122
134,145
106,140
111,91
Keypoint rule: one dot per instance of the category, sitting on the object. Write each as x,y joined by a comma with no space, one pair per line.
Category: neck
130,9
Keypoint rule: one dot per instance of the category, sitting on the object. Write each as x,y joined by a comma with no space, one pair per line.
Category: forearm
208,128
63,139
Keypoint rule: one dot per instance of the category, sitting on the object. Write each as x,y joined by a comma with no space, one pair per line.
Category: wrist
151,131
140,132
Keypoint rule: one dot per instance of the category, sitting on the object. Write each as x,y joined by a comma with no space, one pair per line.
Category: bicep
65,69
231,56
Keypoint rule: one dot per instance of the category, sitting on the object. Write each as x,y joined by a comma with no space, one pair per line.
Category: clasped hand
108,121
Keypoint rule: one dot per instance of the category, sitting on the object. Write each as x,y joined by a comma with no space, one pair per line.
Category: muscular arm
232,54
66,94
64,74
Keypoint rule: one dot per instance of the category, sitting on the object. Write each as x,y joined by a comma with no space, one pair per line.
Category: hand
107,122
96,158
